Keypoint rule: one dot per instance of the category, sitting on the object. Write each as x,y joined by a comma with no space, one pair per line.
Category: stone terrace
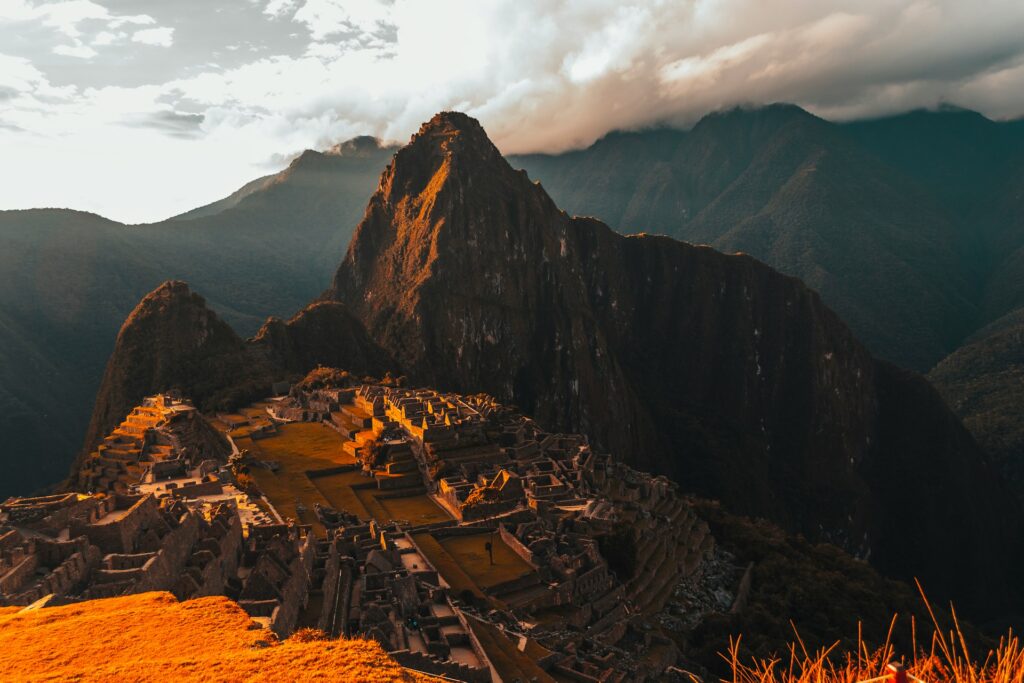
161,432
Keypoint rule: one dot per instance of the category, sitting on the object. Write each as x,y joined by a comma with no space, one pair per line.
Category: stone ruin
273,579
90,547
392,594
607,544
169,517
163,433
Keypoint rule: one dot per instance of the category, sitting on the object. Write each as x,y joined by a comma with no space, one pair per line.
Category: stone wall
429,665
330,586
43,566
295,590
516,546
120,536
215,556
23,567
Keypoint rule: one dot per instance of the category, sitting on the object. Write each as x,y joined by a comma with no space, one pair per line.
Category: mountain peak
172,294
361,146
451,149
449,185
452,123
170,341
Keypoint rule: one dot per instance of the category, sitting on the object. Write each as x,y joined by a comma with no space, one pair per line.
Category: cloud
108,38
324,18
540,75
161,37
280,8
66,16
80,51
176,124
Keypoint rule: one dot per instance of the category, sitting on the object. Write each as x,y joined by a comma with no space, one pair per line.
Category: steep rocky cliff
734,379
806,196
324,333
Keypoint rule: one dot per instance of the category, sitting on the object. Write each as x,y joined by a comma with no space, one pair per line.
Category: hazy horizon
184,102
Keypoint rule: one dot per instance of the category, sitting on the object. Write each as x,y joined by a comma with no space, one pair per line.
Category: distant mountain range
716,370
911,227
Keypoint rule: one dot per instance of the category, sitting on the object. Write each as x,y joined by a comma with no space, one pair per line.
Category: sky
142,109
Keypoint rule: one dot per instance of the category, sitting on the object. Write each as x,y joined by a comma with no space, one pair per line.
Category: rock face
324,333
734,379
790,189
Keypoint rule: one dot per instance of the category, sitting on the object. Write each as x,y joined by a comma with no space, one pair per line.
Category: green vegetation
983,382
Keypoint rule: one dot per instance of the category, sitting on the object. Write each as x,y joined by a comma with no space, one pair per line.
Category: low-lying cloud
215,107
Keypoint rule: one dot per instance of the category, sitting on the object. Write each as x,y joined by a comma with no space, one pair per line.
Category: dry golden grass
153,637
945,657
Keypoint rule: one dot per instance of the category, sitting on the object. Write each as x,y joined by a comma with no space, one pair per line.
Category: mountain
68,279
909,226
324,333
172,341
889,220
983,382
957,154
735,380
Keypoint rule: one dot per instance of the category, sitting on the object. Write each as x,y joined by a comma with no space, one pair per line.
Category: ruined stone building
274,577
87,547
605,544
392,594
163,434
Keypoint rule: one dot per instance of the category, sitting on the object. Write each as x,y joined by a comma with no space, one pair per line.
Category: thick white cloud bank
135,111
